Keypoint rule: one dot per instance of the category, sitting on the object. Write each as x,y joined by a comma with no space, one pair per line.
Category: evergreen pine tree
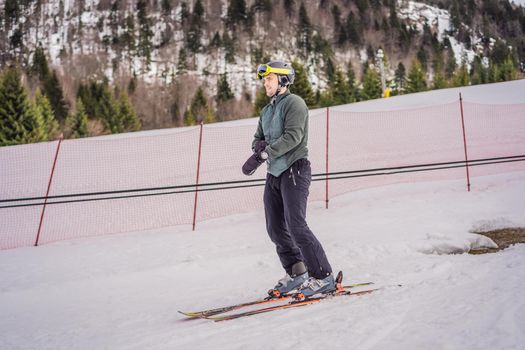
499,52
16,40
507,69
199,106
182,62
352,29
339,29
194,34
438,62
128,37
209,116
107,110
236,14
128,117
494,73
175,113
224,92
304,41
184,14
38,132
479,74
19,122
216,40
39,67
362,5
416,78
324,98
289,7
51,126
114,22
166,7
352,84
400,78
97,100
318,98
49,83
229,47
461,77
439,81
330,70
451,64
145,45
301,85
338,88
321,46
189,119
394,21
132,85
53,91
86,93
371,85
12,12
422,57
99,104
78,123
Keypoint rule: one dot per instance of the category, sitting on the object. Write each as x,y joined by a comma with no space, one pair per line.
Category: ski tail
339,282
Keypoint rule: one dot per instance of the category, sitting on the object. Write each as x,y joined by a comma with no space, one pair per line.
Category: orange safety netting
147,180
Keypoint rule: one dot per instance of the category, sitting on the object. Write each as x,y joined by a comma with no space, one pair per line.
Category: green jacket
284,126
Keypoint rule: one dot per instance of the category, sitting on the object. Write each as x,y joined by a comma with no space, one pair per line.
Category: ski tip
189,314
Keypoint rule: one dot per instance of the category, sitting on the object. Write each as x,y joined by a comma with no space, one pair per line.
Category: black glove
259,146
254,162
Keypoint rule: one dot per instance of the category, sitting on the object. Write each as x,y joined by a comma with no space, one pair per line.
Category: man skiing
281,140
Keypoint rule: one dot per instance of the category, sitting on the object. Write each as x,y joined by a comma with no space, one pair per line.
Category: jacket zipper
292,176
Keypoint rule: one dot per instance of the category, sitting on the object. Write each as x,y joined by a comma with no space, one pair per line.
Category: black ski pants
285,199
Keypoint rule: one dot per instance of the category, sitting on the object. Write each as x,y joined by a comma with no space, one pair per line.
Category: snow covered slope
123,291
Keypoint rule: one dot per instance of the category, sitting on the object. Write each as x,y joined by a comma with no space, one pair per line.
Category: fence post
464,140
197,180
327,142
48,189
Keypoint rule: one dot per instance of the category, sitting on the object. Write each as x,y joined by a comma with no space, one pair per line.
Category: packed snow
123,291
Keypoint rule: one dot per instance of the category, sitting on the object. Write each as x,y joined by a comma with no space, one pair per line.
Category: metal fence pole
48,190
327,143
197,180
464,140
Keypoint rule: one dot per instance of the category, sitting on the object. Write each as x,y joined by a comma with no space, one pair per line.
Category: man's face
271,83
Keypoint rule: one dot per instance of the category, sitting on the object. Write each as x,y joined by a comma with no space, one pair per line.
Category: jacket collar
278,98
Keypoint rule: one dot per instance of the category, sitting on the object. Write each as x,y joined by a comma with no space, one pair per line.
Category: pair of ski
294,301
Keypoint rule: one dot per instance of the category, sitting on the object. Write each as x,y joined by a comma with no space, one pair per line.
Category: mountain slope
165,50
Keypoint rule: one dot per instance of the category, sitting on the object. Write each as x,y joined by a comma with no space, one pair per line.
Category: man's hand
260,146
254,162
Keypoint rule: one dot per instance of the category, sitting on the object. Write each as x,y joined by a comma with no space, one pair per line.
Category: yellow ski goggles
265,69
